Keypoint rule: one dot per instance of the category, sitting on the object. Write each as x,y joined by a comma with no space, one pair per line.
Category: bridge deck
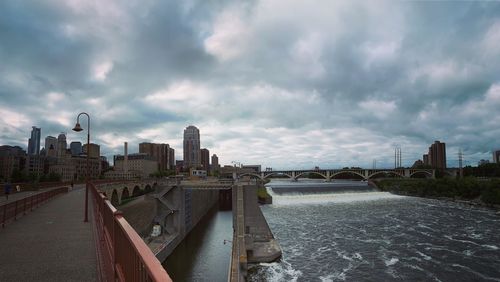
52,243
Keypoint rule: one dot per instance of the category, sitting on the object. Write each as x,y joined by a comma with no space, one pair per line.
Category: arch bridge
329,174
119,191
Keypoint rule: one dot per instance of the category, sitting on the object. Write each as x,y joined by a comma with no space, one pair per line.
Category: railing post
15,211
24,207
4,214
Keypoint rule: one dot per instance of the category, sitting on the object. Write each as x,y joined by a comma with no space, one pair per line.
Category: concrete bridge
329,174
118,191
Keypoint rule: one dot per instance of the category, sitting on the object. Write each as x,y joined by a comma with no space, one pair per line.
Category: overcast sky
282,83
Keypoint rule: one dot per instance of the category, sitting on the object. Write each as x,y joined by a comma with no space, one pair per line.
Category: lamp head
77,128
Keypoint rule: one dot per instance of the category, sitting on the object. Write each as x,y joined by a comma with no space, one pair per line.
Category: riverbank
468,191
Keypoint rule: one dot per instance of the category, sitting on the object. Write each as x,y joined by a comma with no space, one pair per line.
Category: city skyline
333,84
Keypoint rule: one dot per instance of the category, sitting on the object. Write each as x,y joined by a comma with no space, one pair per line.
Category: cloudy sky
282,83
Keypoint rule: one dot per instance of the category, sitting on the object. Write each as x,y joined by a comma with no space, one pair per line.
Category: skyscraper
191,147
215,163
76,148
496,156
205,159
61,145
159,152
51,146
437,155
34,141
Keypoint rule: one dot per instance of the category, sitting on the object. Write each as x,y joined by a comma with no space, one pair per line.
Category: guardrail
123,254
11,211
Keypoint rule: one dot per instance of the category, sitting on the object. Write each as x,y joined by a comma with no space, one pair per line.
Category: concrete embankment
175,208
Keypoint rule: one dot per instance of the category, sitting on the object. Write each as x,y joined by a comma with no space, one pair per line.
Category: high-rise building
34,141
171,158
76,148
425,159
205,159
11,159
159,152
51,146
192,158
496,156
61,145
437,155
215,163
94,152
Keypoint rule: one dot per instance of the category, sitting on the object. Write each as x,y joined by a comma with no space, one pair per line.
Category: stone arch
137,191
148,188
125,194
115,201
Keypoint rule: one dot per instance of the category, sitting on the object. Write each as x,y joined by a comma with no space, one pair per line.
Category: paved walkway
51,243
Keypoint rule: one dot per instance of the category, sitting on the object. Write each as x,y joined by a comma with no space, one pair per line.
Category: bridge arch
385,172
148,188
278,173
114,198
125,194
137,191
348,172
250,174
427,173
310,172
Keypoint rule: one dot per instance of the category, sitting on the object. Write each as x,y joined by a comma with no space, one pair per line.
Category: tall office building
51,146
171,158
76,148
34,141
159,153
496,156
192,158
437,155
61,145
94,151
215,163
205,159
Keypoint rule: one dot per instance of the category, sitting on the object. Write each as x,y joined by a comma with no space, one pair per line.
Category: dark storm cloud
341,81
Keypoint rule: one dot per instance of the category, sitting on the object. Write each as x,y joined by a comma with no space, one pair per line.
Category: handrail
12,210
125,256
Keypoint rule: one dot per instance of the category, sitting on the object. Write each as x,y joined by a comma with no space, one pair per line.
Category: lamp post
78,128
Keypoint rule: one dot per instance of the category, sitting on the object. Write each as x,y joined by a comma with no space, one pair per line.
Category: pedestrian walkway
52,243
20,195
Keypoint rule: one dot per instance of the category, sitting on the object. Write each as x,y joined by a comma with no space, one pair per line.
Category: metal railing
123,254
11,211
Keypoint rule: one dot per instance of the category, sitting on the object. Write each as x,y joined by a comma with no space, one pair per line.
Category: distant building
253,168
483,162
205,159
179,165
12,158
35,164
496,156
437,155
141,163
159,152
61,145
417,164
34,141
51,146
191,146
425,159
79,164
171,158
76,148
215,163
94,152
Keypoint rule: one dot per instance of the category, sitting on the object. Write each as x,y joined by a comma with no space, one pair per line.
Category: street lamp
78,128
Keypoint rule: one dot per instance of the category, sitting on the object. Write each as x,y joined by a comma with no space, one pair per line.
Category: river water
362,235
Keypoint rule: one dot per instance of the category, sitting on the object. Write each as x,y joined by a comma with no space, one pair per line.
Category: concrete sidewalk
52,243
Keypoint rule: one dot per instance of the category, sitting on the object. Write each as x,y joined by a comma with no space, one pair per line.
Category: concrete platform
51,243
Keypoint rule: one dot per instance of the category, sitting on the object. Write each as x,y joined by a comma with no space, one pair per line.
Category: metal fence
11,211
123,254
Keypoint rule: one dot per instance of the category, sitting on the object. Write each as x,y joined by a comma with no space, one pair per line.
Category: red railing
123,254
11,211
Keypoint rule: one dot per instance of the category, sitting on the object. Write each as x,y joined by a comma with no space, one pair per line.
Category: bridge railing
12,210
123,254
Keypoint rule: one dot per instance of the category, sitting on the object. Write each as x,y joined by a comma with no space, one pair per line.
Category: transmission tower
460,159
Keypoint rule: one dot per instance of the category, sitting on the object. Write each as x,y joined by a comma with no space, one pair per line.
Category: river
363,235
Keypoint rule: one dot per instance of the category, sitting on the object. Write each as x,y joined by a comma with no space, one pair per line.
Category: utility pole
374,164
397,156
460,159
